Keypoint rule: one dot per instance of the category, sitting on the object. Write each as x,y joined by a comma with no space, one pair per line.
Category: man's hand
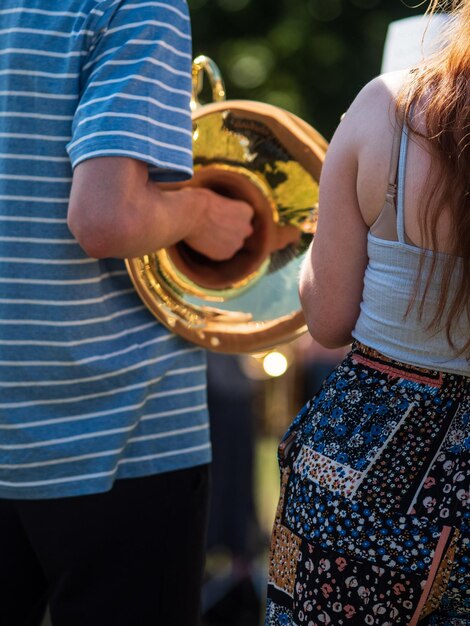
224,226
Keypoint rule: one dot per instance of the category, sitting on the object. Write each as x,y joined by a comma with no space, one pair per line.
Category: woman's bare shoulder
377,100
386,85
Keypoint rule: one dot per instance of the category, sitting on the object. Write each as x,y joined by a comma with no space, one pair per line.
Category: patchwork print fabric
373,520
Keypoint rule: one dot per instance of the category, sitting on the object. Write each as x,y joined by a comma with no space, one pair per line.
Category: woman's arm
352,190
331,278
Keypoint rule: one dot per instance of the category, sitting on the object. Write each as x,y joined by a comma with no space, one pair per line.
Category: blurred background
310,57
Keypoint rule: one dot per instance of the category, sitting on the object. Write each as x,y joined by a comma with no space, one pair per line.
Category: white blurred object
410,40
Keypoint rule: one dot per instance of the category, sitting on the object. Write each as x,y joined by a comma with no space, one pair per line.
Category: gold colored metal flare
271,159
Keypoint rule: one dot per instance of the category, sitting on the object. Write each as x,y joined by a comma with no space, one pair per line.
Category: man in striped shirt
104,442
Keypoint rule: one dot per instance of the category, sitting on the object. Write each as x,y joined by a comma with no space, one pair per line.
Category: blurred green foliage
310,57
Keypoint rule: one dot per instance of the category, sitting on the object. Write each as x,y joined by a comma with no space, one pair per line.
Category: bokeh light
249,63
275,364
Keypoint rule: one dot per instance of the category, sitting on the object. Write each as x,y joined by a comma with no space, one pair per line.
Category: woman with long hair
372,525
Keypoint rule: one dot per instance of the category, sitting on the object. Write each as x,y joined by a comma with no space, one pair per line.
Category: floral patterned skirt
372,526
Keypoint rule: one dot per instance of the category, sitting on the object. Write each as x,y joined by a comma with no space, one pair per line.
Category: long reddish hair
442,83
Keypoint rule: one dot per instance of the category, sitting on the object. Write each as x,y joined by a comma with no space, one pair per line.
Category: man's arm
115,210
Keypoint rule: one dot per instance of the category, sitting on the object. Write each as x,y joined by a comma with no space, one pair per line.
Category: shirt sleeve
137,89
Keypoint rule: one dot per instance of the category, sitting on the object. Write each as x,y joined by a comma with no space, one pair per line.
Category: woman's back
374,158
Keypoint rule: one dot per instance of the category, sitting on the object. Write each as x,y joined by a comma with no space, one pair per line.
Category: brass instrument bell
272,159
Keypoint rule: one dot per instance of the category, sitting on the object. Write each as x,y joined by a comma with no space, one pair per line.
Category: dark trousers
133,556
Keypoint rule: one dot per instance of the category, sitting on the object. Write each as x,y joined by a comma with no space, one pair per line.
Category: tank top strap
385,226
393,173
401,184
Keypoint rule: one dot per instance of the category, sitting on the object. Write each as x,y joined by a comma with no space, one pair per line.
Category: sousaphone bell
272,159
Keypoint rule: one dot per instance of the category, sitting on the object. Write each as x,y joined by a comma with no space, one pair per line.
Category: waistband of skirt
370,357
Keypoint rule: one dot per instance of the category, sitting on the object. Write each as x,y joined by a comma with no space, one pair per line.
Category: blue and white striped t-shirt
92,388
